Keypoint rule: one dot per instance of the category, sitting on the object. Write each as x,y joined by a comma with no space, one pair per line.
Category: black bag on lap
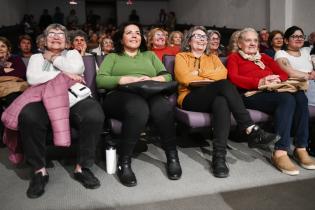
150,88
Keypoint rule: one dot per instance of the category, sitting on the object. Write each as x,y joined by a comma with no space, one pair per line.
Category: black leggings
219,98
34,125
134,112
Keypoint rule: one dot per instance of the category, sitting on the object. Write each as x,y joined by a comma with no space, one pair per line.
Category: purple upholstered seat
90,73
99,59
196,120
312,113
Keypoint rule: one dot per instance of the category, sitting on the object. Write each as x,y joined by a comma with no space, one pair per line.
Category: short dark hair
6,42
76,33
25,36
291,31
118,46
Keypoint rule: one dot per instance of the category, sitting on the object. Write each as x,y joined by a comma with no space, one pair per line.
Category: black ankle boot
219,166
125,173
173,168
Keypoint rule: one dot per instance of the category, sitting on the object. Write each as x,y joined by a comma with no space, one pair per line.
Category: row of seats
194,121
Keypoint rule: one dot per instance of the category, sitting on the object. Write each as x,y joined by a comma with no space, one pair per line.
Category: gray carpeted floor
197,188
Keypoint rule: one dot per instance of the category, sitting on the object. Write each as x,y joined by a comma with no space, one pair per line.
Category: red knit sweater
246,74
165,51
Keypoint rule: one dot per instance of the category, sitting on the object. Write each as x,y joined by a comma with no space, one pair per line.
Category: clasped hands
270,79
131,79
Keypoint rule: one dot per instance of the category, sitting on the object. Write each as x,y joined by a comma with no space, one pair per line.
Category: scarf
254,58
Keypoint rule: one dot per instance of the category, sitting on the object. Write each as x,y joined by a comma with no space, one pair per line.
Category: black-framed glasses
297,37
200,36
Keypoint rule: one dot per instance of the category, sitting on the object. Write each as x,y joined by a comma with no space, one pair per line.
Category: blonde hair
232,46
170,39
151,35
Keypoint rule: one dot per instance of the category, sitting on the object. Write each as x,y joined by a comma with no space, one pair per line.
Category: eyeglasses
53,34
296,37
200,36
107,43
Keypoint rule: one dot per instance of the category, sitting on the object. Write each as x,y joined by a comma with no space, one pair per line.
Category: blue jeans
289,110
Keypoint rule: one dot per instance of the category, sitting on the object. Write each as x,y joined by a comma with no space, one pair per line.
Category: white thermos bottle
111,160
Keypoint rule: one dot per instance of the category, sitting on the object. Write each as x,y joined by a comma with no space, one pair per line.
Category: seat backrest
223,60
99,59
169,63
90,73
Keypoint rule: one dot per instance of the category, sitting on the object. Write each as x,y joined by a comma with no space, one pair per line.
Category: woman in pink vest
35,122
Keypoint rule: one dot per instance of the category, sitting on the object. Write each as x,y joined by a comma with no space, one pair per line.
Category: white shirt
302,63
40,70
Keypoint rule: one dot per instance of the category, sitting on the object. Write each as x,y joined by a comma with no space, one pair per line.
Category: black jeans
34,125
134,112
219,98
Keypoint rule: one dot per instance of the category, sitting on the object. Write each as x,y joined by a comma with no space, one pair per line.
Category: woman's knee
33,113
301,99
137,108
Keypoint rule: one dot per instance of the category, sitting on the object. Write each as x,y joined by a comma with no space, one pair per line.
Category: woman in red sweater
248,69
157,42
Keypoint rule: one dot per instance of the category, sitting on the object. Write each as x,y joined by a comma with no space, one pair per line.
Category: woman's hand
270,79
312,75
48,55
130,79
75,77
158,78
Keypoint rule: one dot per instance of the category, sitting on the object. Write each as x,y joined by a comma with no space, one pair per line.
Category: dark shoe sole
129,185
275,140
222,175
174,177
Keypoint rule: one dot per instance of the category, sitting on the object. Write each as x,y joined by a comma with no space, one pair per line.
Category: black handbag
149,88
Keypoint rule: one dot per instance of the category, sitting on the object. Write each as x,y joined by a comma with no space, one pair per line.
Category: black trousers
134,111
5,102
219,98
34,125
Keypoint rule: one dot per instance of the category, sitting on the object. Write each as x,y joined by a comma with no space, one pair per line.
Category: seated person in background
263,40
130,63
40,43
296,60
12,77
35,122
275,42
214,38
25,46
107,46
219,97
232,46
98,50
157,42
248,69
309,44
78,42
93,42
175,40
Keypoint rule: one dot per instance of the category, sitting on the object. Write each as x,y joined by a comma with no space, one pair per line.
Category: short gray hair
185,44
74,34
58,27
211,32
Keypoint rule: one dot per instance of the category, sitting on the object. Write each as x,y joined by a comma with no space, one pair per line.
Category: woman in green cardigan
131,62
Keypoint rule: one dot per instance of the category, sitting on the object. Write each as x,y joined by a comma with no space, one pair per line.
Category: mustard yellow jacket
188,68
